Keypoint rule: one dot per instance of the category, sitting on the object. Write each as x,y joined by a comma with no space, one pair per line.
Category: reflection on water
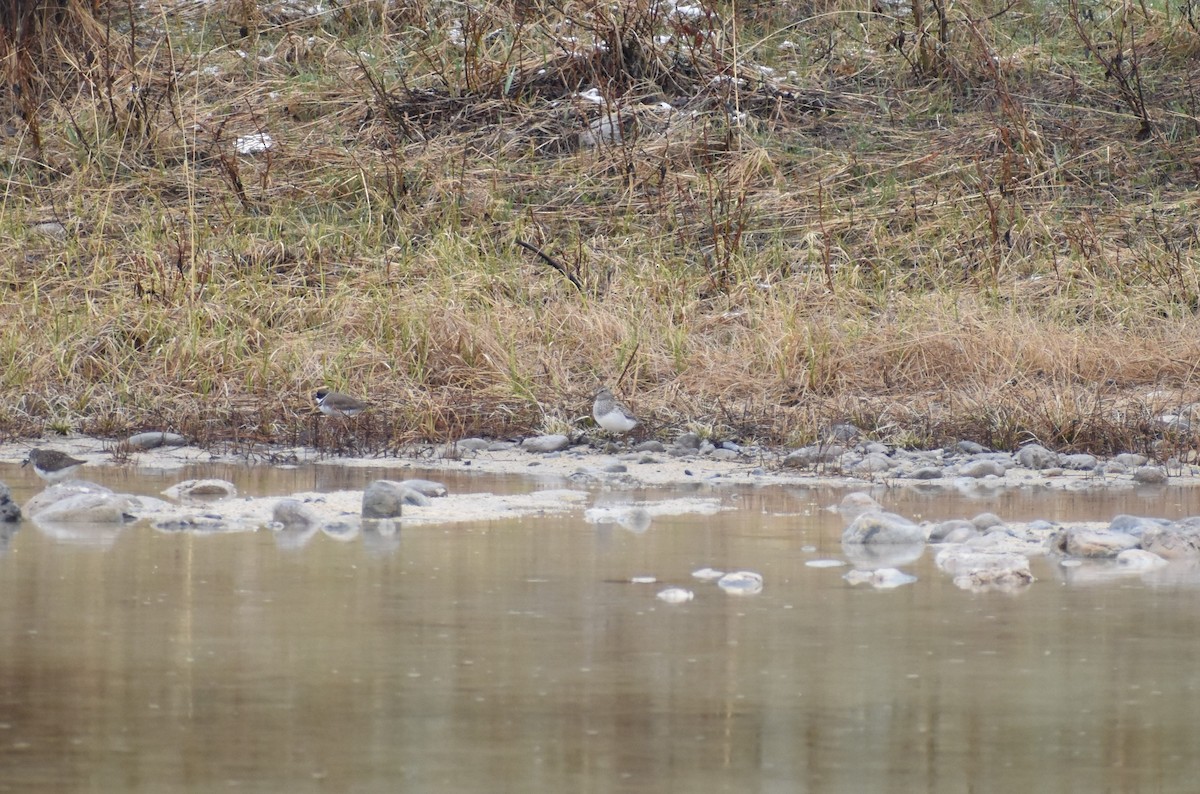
510,657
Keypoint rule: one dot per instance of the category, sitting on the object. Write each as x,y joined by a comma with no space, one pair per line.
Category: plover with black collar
333,403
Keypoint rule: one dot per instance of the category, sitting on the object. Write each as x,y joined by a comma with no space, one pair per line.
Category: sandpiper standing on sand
333,403
52,465
611,415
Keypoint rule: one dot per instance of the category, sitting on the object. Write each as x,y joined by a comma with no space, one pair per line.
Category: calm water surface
515,657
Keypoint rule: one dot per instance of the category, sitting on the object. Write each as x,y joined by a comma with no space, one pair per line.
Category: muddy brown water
510,657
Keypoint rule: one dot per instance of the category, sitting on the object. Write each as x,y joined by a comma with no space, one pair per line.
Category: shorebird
333,403
611,415
52,465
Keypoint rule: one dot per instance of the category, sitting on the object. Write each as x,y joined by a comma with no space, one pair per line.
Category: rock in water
884,529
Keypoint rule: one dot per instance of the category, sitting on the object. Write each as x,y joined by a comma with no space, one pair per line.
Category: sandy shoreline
582,464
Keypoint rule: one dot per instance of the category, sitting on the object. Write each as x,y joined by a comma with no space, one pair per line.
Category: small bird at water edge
52,465
611,415
333,403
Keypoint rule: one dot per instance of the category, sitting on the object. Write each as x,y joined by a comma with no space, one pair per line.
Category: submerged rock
741,583
882,529
1139,560
1092,543
855,504
202,489
983,570
870,556
1172,541
675,595
882,578
10,512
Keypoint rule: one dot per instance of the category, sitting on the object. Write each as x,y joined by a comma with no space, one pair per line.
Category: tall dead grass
937,222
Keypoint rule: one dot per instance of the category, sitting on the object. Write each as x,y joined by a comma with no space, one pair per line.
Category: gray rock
841,431
615,468
1135,525
52,229
650,446
10,512
1035,456
153,440
1173,542
882,529
86,506
732,446
927,473
870,556
813,455
981,570
986,521
1139,560
551,443
1092,543
502,446
978,469
940,530
426,487
1130,460
872,463
961,534
855,504
1078,462
876,448
969,448
881,578
386,498
202,489
724,454
1150,475
706,447
687,441
294,514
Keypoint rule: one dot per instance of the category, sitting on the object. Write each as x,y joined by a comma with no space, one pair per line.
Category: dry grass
848,211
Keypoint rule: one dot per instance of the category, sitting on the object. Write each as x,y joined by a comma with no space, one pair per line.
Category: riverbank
752,222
